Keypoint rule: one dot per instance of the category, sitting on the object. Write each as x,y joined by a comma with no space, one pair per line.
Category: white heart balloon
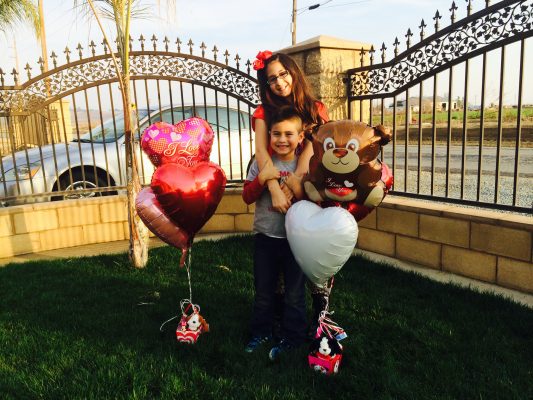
321,239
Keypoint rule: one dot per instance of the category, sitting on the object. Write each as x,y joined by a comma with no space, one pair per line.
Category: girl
282,83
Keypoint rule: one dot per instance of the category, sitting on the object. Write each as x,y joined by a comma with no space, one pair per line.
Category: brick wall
485,245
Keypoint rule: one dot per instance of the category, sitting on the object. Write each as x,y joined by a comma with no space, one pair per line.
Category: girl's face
279,79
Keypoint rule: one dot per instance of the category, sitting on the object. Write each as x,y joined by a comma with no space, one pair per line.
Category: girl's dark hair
301,97
283,114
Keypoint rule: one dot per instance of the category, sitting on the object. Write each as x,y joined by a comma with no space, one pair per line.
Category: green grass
72,329
509,115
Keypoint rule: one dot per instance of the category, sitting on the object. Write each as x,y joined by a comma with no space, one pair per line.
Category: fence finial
166,41
203,47
372,51
215,51
93,48
422,26
15,74
104,43
80,50
248,65
226,54
408,36
453,9
190,44
53,56
396,44
1,77
237,59
383,49
178,42
469,7
67,54
130,40
436,18
41,64
154,42
28,70
142,39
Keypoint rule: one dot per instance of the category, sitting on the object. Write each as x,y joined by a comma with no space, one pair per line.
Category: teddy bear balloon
344,170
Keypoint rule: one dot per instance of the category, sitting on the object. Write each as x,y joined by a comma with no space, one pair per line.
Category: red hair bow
260,58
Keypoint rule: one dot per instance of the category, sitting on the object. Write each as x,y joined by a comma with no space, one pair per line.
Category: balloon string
188,268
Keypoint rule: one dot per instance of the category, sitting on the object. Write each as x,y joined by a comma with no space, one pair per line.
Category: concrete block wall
486,245
489,246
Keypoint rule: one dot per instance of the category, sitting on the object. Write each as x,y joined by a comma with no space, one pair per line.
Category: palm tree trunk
138,233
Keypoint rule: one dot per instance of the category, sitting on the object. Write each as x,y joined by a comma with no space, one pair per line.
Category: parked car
97,158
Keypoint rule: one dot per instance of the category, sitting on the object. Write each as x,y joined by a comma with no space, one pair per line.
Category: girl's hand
294,182
267,173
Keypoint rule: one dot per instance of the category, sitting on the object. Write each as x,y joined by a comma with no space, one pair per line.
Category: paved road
507,159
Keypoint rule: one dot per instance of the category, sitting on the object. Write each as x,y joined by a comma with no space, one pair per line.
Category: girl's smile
280,80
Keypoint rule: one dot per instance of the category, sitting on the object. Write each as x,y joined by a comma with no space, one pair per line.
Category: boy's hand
279,200
269,172
287,191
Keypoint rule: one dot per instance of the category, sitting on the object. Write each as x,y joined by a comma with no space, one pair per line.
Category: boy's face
285,137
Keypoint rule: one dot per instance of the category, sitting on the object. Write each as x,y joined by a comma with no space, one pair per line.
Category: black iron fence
459,102
460,105
61,132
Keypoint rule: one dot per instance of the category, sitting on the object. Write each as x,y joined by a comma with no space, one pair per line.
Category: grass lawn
72,329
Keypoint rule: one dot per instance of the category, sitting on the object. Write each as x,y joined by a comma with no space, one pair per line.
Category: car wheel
78,184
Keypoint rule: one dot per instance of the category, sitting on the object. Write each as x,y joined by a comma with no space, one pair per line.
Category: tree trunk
138,249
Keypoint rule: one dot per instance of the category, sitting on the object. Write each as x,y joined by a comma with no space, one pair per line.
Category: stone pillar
325,60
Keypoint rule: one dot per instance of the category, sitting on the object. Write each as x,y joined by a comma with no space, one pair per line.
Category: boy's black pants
272,256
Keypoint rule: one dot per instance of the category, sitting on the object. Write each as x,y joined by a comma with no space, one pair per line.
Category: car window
222,121
105,133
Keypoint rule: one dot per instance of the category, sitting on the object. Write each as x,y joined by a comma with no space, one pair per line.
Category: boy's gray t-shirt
267,220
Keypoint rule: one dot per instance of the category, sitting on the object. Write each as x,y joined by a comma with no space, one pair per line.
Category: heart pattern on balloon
321,239
189,196
187,143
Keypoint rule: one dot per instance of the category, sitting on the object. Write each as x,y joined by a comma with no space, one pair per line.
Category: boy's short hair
283,114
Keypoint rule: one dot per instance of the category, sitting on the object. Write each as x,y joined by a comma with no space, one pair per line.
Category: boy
272,253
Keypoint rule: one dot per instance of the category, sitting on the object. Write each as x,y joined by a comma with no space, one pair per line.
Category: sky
240,26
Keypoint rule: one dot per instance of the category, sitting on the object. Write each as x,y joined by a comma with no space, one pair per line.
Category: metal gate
61,132
460,107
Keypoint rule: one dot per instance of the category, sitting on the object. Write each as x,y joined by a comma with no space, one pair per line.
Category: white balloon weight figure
321,239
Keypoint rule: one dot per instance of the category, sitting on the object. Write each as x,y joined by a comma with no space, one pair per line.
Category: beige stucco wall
485,245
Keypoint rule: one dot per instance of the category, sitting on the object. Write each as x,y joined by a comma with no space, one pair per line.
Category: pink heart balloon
189,196
187,143
163,227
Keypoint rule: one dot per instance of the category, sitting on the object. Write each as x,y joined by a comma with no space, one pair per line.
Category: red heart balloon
189,196
156,220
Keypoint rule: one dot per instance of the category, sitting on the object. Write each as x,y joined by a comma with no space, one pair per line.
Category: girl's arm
279,200
303,161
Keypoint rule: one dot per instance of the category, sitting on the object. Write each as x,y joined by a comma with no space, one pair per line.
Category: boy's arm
252,190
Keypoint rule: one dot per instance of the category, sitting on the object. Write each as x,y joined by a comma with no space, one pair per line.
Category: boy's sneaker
255,342
282,347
